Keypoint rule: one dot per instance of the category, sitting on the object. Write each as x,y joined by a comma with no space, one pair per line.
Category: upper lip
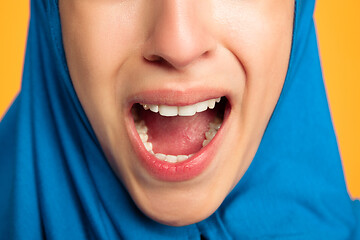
173,97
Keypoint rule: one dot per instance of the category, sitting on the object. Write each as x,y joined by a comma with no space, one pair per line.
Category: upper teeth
189,110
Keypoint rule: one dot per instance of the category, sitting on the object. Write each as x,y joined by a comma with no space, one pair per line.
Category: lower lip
182,171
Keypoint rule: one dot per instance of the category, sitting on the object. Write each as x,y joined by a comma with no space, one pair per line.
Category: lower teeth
142,131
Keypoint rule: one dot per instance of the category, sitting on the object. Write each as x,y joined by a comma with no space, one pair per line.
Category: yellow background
338,25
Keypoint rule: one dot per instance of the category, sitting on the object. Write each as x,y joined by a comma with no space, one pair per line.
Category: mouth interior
179,136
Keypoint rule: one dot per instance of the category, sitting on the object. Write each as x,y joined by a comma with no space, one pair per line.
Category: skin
118,48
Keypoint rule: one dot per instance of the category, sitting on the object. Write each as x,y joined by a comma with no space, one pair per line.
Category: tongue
177,135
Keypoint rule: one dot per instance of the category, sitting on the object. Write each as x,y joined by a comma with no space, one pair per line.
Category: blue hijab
56,183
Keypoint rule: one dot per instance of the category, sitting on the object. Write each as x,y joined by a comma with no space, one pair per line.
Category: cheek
96,47
99,36
260,36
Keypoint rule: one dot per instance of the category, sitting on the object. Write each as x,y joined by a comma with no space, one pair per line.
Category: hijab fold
56,183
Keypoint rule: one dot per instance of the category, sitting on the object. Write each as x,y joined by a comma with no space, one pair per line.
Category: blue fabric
55,182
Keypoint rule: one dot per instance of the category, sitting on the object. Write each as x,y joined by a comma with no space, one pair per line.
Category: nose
180,34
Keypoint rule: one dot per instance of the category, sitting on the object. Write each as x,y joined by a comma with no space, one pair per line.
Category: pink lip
177,98
176,172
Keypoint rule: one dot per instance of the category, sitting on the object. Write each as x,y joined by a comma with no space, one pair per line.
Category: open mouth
174,141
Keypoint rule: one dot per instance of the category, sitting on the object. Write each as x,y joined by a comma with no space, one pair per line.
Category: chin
180,206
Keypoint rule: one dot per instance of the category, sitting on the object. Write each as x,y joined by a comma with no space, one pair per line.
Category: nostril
157,60
154,58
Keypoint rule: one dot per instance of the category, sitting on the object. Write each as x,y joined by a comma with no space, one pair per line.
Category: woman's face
178,57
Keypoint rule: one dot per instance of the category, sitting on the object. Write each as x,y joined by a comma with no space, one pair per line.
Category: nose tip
177,52
179,36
